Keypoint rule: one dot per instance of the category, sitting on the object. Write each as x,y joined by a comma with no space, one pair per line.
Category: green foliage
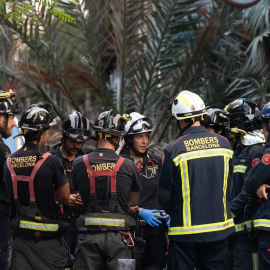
133,55
63,16
20,12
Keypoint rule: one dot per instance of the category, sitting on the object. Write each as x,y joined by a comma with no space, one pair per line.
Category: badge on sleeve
163,158
255,161
266,159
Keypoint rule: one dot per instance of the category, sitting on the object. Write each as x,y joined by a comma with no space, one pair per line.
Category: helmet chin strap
129,143
116,145
137,153
186,127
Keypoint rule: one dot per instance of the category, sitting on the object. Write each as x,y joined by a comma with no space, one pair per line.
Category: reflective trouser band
261,223
239,168
240,227
105,222
201,228
38,226
255,261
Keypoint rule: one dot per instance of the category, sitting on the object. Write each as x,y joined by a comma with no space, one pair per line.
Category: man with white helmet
138,130
194,186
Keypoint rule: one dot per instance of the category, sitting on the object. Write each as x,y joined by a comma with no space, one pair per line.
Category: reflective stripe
203,153
185,100
239,168
255,260
181,160
240,227
201,228
225,182
38,226
261,223
186,194
105,222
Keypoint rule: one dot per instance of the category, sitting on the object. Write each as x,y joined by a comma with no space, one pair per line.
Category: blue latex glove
150,217
167,216
169,219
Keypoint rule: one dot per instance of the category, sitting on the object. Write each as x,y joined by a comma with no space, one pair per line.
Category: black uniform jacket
49,176
195,184
68,165
258,175
149,172
68,212
101,159
4,201
245,158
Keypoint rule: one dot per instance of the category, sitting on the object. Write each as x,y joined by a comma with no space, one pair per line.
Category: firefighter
8,107
247,153
76,129
109,185
215,121
256,183
34,181
138,130
194,186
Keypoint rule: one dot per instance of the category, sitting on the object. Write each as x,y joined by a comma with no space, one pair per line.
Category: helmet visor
78,134
144,124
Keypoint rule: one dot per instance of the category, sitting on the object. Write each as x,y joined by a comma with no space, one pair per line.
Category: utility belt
35,229
105,222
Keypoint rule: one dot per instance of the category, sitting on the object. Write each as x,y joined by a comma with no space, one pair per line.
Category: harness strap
30,179
93,174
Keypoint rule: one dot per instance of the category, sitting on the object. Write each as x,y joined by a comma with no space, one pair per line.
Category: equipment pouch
63,264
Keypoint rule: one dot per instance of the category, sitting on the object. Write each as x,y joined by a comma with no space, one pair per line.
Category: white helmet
253,137
187,105
138,124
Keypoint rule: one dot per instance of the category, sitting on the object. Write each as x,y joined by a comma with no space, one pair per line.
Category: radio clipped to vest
29,222
97,218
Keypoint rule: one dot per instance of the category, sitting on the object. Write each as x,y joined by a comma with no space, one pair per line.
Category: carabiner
127,236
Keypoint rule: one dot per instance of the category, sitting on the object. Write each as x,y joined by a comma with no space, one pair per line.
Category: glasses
141,124
78,134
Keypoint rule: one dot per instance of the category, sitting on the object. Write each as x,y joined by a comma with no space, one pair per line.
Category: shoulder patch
163,158
266,159
7,154
255,161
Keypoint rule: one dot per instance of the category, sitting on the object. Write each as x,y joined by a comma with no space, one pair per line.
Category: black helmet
8,104
264,114
38,117
241,113
76,127
109,122
214,118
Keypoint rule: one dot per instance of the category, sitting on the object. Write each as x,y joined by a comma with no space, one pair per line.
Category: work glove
150,217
